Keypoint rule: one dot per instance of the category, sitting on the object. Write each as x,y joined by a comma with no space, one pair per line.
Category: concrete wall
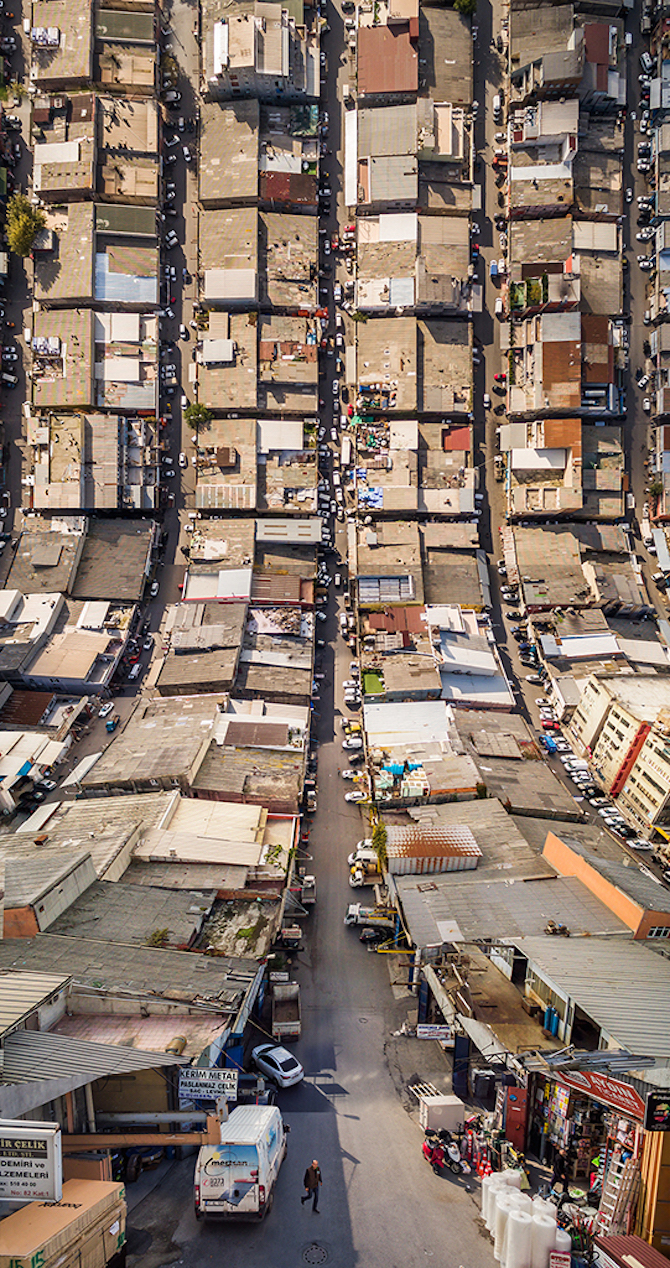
568,863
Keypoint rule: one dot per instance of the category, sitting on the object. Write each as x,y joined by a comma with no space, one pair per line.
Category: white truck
647,536
235,1179
364,866
369,917
286,1018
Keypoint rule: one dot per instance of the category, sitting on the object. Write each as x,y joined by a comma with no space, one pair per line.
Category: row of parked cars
577,770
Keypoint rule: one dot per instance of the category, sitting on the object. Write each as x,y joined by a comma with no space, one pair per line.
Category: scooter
433,1153
456,1162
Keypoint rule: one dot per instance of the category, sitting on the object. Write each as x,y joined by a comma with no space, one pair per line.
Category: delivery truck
286,1022
364,867
370,917
235,1180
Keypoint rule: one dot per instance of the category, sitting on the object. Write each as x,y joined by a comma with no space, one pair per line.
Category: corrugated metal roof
21,993
623,987
631,1252
32,1056
470,906
414,841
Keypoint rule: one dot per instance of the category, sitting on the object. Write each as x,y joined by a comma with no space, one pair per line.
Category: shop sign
560,1259
202,1084
601,1087
31,1162
424,1031
657,1115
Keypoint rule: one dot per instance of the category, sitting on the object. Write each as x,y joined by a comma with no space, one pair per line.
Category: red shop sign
601,1087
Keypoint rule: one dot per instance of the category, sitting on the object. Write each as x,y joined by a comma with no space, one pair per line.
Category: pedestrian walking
311,1180
559,1170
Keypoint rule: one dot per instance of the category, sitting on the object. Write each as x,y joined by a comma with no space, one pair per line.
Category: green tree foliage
379,843
197,415
467,7
23,224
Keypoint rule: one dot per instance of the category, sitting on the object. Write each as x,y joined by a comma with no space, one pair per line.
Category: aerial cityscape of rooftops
335,633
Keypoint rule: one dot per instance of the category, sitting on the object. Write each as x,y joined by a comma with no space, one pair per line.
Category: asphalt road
381,1206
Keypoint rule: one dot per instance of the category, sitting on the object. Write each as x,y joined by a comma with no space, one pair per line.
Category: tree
197,415
656,489
24,222
379,843
467,7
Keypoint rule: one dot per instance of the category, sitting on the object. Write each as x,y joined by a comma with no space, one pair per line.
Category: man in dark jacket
311,1180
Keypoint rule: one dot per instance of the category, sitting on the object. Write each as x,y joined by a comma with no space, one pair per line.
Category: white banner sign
424,1031
31,1162
200,1084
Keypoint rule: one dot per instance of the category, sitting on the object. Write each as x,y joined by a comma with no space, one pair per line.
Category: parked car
278,1064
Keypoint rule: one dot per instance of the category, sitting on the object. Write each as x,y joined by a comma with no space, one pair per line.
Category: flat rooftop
223,540
444,354
228,366
288,250
179,976
70,62
67,270
387,360
445,78
114,560
287,363
512,765
227,474
107,907
47,556
163,739
62,367
229,152
387,61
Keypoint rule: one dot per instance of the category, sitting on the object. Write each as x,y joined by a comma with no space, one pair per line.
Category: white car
356,795
155,587
542,700
106,709
277,1064
352,741
183,460
336,386
348,774
487,401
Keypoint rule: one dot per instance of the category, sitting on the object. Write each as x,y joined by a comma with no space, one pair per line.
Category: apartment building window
654,783
659,931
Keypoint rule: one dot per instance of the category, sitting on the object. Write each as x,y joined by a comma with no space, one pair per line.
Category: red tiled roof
597,42
457,438
387,62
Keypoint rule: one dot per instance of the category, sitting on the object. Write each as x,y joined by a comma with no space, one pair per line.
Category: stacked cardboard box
86,1229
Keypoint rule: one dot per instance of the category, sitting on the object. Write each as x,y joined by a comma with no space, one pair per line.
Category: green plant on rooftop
196,415
534,291
159,938
517,295
24,222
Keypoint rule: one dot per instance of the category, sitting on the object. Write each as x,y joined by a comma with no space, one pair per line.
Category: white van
235,1180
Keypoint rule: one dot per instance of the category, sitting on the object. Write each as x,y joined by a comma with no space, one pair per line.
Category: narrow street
351,1112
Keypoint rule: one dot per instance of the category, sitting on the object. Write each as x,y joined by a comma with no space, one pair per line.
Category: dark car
374,935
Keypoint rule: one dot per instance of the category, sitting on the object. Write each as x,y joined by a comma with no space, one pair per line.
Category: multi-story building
622,725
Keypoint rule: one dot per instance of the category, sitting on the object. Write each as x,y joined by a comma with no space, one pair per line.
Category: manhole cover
315,1254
